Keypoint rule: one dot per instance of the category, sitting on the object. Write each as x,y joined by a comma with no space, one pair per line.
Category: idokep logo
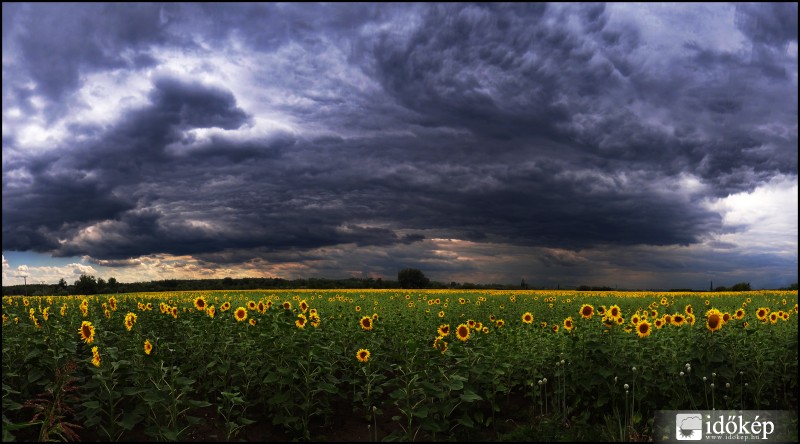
689,426
725,425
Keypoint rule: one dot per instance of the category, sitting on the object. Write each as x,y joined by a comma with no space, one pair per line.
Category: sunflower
568,326
304,306
287,305
745,324
261,307
643,329
658,323
440,344
148,347
441,313
635,319
690,319
269,304
713,320
614,311
301,321
664,301
543,324
491,318
499,323
785,316
587,311
95,357
63,310
726,317
761,314
314,319
87,332
688,309
200,303
462,301
678,319
211,311
362,355
485,329
366,323
667,319
240,314
601,310
471,323
46,313
174,312
374,316
707,302
225,306
773,317
251,305
620,320
527,317
462,332
149,306
444,330
555,328
252,322
358,308
113,303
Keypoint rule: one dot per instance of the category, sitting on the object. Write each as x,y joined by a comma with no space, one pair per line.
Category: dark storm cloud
56,43
524,72
537,125
769,23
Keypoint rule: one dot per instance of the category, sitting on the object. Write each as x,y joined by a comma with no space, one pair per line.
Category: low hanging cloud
262,131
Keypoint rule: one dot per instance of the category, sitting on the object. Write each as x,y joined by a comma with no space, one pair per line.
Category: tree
741,286
86,285
112,284
412,278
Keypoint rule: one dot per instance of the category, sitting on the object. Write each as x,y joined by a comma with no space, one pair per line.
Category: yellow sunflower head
713,320
527,317
643,329
362,355
462,332
200,303
568,325
87,332
587,311
148,347
240,314
444,330
366,323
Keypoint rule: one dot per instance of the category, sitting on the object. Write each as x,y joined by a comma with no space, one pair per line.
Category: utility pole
25,278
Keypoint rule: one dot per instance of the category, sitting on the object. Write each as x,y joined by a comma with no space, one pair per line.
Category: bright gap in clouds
763,220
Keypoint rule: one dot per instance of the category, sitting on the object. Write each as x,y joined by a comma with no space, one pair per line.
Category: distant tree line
407,278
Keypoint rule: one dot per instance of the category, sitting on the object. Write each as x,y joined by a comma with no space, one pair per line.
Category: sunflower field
385,365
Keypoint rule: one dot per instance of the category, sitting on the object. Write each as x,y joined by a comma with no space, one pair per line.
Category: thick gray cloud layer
539,125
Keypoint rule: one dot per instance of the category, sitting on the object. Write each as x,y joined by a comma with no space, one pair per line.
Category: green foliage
412,278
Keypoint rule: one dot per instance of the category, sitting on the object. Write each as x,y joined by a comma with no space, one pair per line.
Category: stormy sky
639,146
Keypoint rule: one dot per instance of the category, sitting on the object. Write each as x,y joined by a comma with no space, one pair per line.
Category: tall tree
412,278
